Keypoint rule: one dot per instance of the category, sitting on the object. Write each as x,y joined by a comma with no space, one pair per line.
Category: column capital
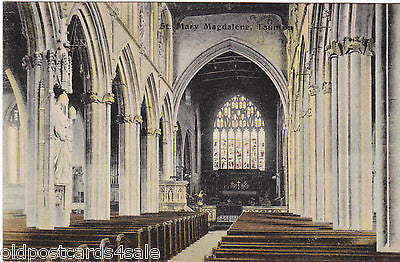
154,132
26,62
137,119
108,98
334,49
358,44
89,98
51,59
123,119
312,90
327,87
306,113
92,97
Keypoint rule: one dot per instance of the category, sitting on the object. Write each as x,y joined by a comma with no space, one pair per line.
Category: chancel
148,125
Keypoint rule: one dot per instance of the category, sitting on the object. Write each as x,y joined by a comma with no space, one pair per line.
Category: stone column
389,182
167,152
152,196
299,156
354,144
380,126
291,159
306,152
97,194
129,178
333,51
175,153
366,185
327,89
343,125
46,193
33,66
312,89
319,147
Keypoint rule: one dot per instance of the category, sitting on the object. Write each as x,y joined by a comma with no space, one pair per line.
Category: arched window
14,147
239,136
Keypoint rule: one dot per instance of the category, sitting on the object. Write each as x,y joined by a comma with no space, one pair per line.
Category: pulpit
173,196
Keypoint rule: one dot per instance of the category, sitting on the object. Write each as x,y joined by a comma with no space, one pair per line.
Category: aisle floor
201,248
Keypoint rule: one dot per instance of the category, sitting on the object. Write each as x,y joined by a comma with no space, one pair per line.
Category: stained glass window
224,150
231,149
215,149
253,149
239,140
261,149
246,149
239,136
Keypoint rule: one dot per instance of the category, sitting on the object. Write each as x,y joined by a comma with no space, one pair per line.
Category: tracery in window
239,136
14,141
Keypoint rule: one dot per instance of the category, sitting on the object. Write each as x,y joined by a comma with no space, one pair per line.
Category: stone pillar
306,152
152,171
33,66
312,149
49,148
393,124
97,193
299,156
46,193
343,125
327,89
326,93
388,77
334,143
129,178
319,147
333,51
175,153
380,126
366,185
167,151
291,160
354,144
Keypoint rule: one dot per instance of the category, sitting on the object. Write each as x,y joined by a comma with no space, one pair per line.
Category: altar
245,187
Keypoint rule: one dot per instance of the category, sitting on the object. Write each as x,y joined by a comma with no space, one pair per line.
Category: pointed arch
98,51
129,78
151,102
240,48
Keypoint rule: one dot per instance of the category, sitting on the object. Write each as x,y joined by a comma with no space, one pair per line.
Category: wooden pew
169,232
287,237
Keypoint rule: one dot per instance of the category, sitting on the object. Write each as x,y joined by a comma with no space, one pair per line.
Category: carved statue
63,139
200,198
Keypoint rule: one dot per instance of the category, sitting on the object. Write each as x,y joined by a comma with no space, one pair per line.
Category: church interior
148,125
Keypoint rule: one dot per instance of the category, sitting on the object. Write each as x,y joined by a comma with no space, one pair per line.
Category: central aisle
201,248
